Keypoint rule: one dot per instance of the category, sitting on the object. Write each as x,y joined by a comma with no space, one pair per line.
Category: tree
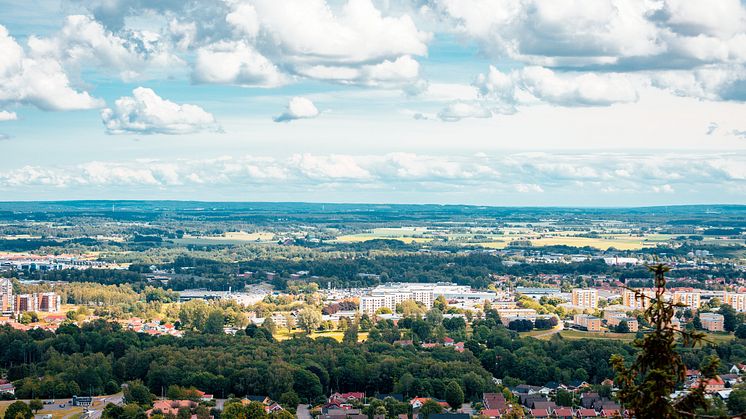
730,321
645,387
307,384
622,327
430,407
281,414
18,410
441,303
697,322
454,395
564,397
233,410
270,325
36,405
255,410
289,400
309,319
741,331
137,392
737,402
214,323
350,335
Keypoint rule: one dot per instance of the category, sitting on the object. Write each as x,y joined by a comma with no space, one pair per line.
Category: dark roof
449,416
255,398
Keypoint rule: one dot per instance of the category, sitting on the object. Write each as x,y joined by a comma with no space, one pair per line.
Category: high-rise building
631,300
690,299
26,302
585,298
49,302
735,300
6,297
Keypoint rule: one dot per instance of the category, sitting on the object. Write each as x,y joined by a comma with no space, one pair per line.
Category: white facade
391,294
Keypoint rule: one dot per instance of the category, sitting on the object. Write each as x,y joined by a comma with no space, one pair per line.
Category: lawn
334,334
579,334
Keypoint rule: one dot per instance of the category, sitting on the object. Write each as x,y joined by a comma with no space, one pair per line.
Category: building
26,302
585,298
712,322
6,297
46,301
631,300
589,323
735,300
392,294
614,318
49,302
689,299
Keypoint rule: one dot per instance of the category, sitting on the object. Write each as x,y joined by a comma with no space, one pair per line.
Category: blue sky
499,102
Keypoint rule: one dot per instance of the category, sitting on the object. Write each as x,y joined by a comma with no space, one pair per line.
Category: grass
334,334
579,334
56,414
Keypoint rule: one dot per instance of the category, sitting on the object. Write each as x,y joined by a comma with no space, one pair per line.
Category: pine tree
646,386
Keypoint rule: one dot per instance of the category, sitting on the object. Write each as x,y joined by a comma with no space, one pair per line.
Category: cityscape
372,209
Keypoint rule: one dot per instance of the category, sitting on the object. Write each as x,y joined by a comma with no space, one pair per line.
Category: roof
587,413
563,411
491,413
539,413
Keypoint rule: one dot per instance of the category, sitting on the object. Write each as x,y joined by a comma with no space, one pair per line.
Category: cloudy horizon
486,102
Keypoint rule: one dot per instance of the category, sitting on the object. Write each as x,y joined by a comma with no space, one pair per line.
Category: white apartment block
391,294
690,299
735,300
585,298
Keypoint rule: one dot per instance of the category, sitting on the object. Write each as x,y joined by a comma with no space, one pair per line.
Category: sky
486,102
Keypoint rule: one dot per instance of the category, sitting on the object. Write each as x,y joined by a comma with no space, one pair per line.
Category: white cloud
563,89
8,116
460,110
312,31
84,41
298,108
147,113
38,81
237,63
550,174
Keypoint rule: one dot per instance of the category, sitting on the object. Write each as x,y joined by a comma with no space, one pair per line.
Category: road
302,412
557,329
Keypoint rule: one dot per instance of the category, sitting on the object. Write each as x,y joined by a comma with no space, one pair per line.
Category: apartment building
614,318
585,298
735,300
589,323
712,322
6,297
630,299
391,294
689,299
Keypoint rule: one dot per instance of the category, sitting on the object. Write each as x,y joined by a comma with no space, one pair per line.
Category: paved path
301,412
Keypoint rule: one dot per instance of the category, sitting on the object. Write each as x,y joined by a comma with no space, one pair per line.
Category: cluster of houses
447,342
172,407
536,403
154,327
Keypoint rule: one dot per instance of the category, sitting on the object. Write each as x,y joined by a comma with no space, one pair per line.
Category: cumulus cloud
236,62
38,81
8,116
147,113
565,89
348,42
133,54
298,108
